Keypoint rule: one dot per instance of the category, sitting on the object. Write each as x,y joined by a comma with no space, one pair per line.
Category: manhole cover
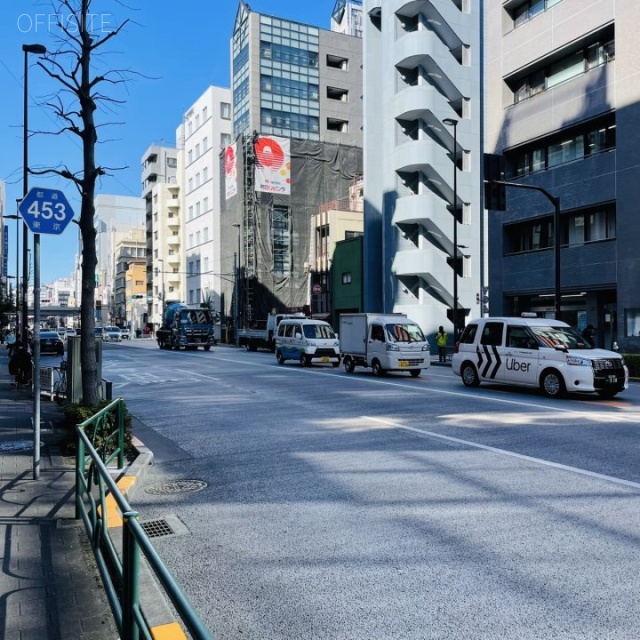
16,445
177,486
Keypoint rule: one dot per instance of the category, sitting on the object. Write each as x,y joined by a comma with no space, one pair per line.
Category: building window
190,212
570,66
225,139
337,62
198,179
197,237
288,55
572,145
335,124
334,93
631,322
205,174
205,113
225,110
190,156
205,143
280,240
190,296
346,277
197,121
205,204
191,268
530,9
206,234
206,265
591,226
198,150
197,208
190,183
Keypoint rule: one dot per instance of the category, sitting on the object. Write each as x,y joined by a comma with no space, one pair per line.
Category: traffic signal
495,197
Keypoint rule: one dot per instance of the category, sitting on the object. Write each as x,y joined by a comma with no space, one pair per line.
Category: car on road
124,334
50,342
539,353
112,334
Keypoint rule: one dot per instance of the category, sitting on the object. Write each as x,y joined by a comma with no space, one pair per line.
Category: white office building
204,132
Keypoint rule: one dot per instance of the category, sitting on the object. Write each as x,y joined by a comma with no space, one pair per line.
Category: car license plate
403,363
612,379
324,359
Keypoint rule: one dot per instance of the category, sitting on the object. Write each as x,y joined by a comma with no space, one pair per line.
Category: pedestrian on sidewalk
21,365
441,342
11,342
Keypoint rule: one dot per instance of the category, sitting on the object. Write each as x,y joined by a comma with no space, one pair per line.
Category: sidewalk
50,588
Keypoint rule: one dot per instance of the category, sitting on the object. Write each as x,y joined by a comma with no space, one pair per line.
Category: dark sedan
50,342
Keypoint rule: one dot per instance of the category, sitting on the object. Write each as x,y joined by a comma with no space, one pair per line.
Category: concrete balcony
430,266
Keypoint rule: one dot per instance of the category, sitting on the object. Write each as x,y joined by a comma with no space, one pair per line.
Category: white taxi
536,352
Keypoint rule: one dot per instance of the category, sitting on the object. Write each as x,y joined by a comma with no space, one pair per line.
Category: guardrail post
121,408
130,578
79,473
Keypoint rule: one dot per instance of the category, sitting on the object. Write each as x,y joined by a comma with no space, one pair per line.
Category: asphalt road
337,506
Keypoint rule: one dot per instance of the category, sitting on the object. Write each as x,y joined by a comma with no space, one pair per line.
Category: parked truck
263,336
186,327
384,342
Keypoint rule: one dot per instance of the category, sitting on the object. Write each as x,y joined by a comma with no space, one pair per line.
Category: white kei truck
384,342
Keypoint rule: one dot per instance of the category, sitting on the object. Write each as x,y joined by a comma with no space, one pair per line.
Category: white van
307,341
536,352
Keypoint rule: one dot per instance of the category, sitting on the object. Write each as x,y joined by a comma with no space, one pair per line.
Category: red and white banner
273,164
230,171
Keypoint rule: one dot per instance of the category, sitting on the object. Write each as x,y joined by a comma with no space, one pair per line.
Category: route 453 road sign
46,211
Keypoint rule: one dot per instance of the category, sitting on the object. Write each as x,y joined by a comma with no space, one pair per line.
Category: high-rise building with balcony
423,157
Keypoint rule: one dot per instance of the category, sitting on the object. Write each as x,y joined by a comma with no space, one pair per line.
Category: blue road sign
46,211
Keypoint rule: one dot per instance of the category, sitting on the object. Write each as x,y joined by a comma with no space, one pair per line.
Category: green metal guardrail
120,572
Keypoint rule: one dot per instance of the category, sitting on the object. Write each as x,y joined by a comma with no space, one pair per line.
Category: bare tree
82,34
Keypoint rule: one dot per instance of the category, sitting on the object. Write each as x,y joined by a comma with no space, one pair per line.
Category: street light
236,269
161,273
17,276
40,50
454,123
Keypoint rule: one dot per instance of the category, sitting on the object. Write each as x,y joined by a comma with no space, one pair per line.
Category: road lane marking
418,388
504,452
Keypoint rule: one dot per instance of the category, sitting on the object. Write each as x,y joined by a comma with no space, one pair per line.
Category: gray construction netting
320,172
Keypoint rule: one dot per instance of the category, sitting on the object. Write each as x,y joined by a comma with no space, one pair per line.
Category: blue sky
177,49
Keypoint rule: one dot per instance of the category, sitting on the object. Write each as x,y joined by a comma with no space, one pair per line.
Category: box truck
384,342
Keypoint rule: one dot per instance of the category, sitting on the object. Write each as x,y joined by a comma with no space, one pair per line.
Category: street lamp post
17,276
161,274
454,123
38,49
236,270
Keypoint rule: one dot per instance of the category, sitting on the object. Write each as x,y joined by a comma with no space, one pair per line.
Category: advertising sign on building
231,171
273,164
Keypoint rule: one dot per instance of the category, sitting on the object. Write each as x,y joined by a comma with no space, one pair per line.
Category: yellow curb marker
171,631
114,517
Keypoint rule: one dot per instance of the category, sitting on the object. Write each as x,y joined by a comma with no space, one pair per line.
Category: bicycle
60,385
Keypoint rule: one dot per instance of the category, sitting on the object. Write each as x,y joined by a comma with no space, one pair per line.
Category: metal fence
96,494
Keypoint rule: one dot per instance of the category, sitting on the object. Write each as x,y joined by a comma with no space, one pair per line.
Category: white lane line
504,452
417,389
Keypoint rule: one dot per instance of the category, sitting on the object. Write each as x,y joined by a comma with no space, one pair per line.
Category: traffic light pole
556,234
